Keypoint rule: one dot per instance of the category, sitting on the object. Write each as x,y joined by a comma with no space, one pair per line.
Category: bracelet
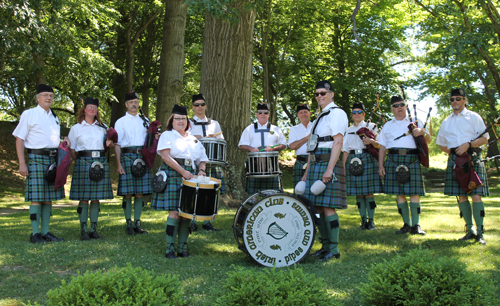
202,170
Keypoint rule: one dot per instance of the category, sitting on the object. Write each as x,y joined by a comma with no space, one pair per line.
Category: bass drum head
277,229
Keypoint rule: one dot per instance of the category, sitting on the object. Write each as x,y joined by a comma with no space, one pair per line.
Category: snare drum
215,149
199,201
274,228
263,164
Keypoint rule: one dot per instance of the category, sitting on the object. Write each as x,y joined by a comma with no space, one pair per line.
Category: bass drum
274,228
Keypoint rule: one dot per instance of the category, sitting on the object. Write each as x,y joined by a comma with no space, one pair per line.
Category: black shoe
37,238
468,236
329,255
50,237
170,255
130,231
210,227
184,254
95,235
319,253
405,229
193,228
84,236
480,239
370,225
416,230
139,230
363,225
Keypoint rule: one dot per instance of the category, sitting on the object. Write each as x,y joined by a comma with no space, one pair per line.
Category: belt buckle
187,162
96,154
52,153
402,151
358,151
313,158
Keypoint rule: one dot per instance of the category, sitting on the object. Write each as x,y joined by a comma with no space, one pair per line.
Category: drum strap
203,125
262,131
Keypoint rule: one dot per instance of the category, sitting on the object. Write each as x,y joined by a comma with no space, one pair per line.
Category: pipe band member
297,140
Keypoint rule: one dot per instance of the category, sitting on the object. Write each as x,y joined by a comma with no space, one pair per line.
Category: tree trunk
226,82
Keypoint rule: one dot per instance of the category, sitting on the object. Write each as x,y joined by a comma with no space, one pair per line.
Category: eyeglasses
180,119
457,98
91,107
47,96
396,105
357,112
263,112
322,93
200,104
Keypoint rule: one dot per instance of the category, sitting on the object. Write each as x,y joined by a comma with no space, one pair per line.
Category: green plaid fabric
129,184
217,172
367,183
37,188
415,186
452,187
85,189
169,198
298,171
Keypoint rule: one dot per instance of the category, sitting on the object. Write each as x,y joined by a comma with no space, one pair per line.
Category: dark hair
80,116
170,124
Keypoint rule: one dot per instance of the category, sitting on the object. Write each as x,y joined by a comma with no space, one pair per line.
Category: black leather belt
318,158
46,152
128,150
302,158
182,161
359,151
403,151
325,138
89,153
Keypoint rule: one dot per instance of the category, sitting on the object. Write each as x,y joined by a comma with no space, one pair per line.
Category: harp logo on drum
276,231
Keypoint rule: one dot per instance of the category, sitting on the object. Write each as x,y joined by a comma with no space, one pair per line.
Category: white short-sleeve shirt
352,141
395,128
459,129
84,136
188,147
250,137
212,128
131,131
297,133
38,128
334,123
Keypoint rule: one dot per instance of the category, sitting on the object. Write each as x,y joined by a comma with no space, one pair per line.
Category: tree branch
353,19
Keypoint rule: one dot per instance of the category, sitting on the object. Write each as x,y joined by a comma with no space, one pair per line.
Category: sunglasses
457,98
357,112
396,105
200,104
322,93
263,112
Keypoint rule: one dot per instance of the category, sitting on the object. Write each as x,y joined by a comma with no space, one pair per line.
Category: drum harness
203,123
262,131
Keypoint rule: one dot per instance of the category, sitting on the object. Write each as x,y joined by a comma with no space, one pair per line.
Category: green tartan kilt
254,184
415,186
334,195
85,189
216,172
367,183
169,198
452,187
298,172
129,184
37,188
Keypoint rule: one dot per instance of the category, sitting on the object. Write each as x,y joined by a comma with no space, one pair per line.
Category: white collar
197,119
84,122
43,110
132,116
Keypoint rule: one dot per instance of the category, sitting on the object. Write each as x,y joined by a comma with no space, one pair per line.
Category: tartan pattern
217,172
298,172
129,184
169,198
37,188
85,189
254,185
367,183
415,186
452,187
334,195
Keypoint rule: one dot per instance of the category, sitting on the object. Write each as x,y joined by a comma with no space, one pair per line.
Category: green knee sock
333,227
35,213
405,212
127,208
137,208
478,211
172,229
415,212
83,211
323,232
184,226
94,215
370,206
360,201
46,210
466,211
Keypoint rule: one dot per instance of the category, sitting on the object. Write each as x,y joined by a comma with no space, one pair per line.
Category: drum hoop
201,185
213,140
263,154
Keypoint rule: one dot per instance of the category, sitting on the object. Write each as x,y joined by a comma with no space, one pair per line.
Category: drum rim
201,185
260,154
210,139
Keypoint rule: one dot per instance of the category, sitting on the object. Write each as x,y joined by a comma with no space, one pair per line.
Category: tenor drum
199,201
274,228
263,164
215,149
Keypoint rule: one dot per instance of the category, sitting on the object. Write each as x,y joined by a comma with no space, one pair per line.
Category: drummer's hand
187,175
109,143
327,176
381,171
462,148
119,169
211,135
255,150
268,149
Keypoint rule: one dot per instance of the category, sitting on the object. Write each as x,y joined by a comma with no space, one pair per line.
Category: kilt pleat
367,183
452,187
334,195
85,189
169,198
415,186
254,184
37,188
217,172
298,171
129,184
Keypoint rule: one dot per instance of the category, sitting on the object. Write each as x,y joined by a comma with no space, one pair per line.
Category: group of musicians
333,161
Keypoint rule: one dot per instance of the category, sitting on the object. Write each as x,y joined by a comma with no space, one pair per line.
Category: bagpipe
151,142
365,131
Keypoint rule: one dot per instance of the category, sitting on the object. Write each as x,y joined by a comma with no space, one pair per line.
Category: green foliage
285,286
125,286
420,278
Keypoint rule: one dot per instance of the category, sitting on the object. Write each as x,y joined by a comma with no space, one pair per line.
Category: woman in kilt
182,156
365,184
325,164
91,180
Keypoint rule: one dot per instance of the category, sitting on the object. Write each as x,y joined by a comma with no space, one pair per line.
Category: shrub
419,278
119,286
284,286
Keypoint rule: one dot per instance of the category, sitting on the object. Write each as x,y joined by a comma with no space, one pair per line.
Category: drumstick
217,134
270,147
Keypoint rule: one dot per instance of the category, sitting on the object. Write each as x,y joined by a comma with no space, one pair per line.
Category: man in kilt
132,131
39,132
297,139
365,184
202,127
401,170
456,136
262,136
325,165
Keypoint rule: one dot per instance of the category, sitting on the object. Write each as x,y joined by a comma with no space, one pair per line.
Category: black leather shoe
480,239
210,227
95,235
37,238
84,236
405,229
363,225
50,237
171,255
416,230
329,255
319,253
370,225
139,230
130,231
184,254
468,236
